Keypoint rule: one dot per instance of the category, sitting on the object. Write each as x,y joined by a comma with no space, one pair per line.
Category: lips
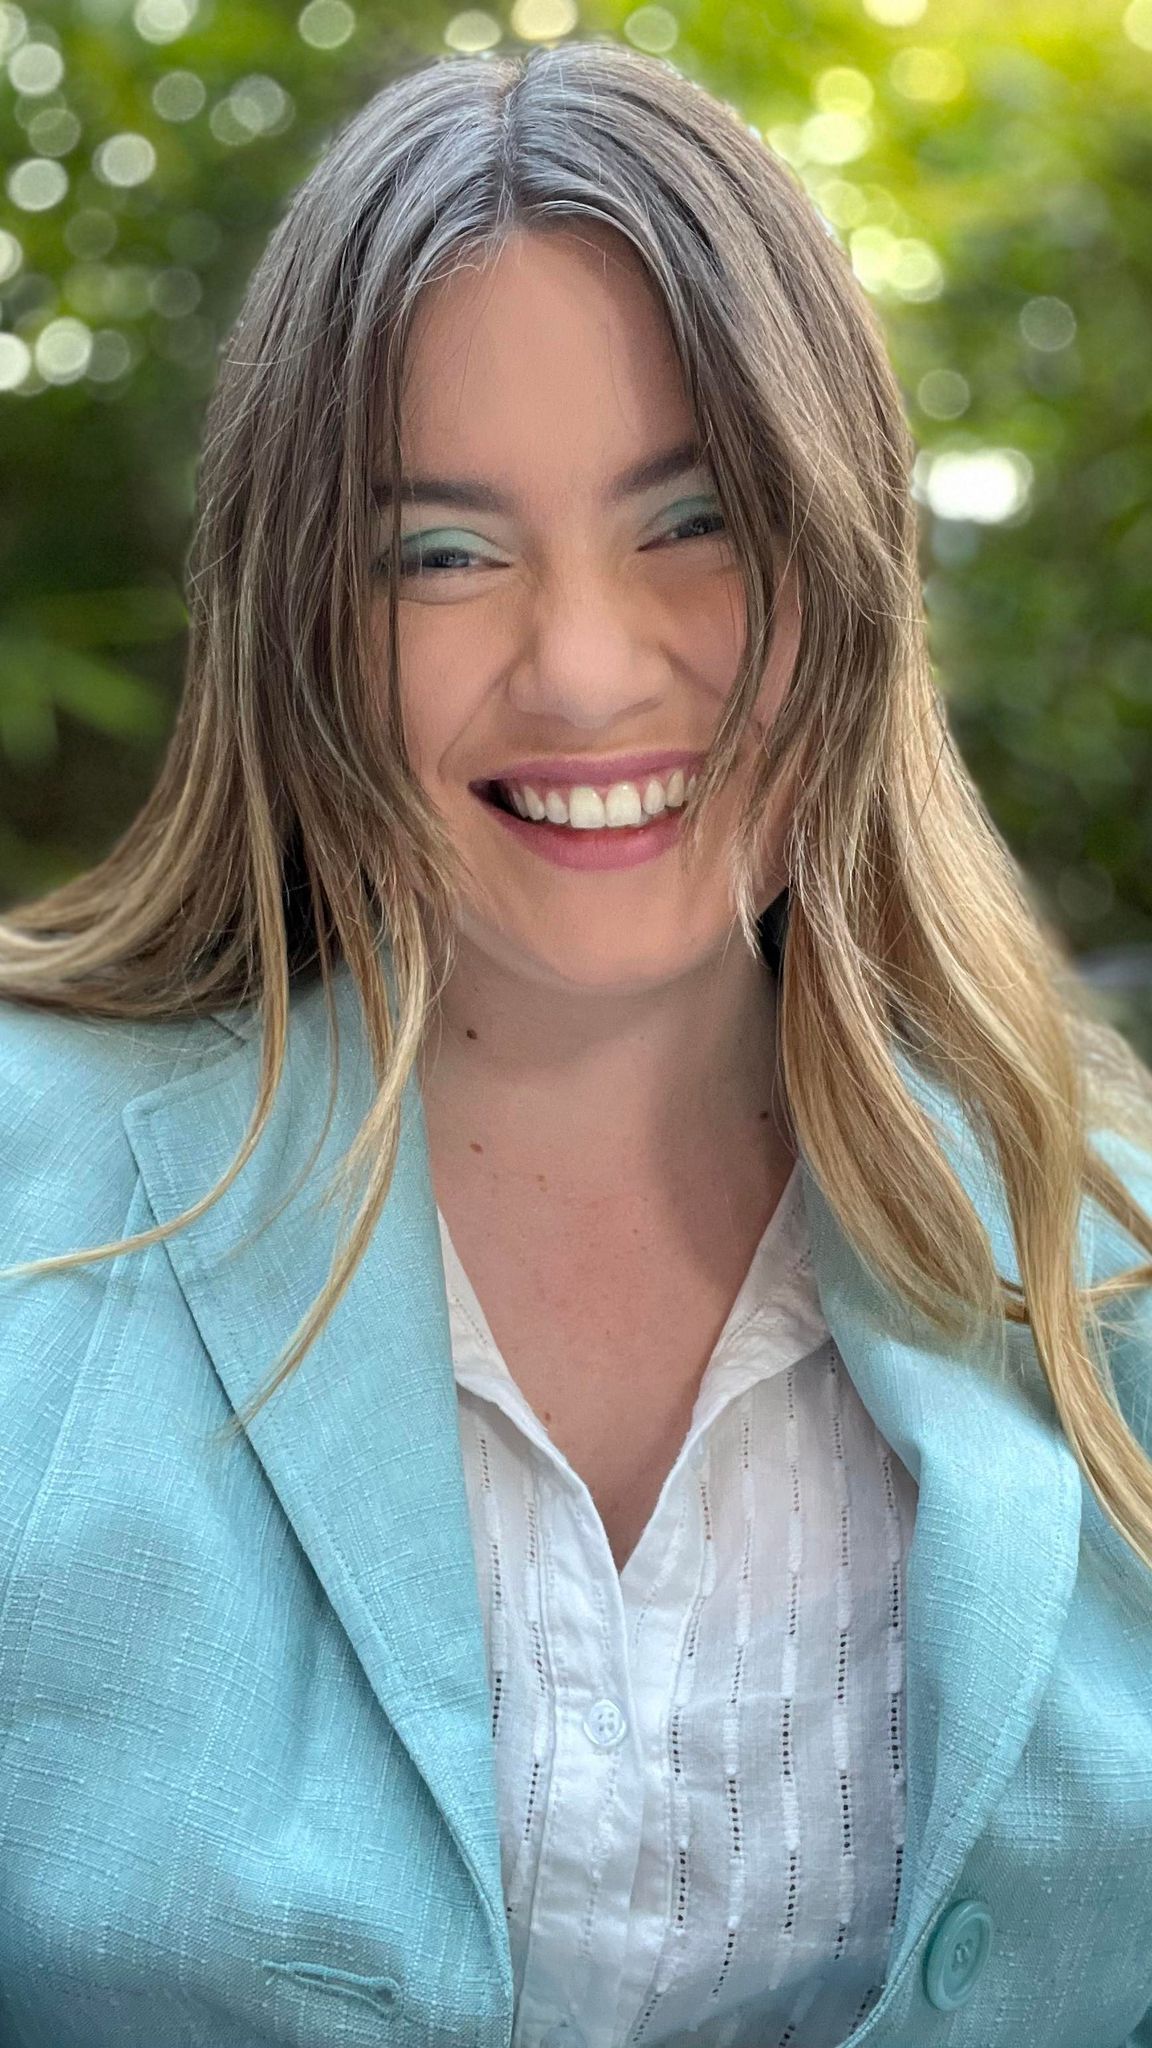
598,771
595,852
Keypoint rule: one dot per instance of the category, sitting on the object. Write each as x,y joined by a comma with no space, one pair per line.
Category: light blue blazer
247,1795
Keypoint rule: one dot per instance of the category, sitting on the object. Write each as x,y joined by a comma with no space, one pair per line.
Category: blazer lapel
361,1443
994,1555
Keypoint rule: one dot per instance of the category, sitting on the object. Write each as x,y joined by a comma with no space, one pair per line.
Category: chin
612,961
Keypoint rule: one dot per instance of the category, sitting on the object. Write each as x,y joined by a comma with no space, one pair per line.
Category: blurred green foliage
987,172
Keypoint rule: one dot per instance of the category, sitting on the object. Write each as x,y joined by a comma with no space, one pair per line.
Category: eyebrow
479,497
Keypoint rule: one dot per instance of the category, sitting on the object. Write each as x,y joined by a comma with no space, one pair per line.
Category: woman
688,1574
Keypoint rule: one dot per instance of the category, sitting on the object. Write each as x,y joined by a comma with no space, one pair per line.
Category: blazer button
957,1954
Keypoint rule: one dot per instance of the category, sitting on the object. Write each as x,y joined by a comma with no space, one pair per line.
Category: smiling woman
596,602
687,1574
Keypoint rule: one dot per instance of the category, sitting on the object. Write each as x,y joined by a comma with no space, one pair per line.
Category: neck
593,1087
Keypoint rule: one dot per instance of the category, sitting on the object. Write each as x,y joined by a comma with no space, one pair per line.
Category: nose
591,654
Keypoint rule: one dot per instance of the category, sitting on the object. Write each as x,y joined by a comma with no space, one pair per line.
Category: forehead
552,358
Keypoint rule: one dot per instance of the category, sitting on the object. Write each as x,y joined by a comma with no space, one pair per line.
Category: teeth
586,811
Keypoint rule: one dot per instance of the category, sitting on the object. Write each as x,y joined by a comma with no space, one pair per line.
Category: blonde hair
286,832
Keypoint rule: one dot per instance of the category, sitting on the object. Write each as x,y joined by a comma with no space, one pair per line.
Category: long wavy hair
286,835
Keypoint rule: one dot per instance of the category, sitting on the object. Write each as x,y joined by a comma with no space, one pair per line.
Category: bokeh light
11,255
835,138
472,31
125,159
844,90
62,350
15,361
654,29
36,184
902,264
255,106
174,293
1137,23
112,356
943,394
326,24
933,76
179,95
35,68
984,485
163,21
541,21
895,13
13,29
1048,324
91,232
53,131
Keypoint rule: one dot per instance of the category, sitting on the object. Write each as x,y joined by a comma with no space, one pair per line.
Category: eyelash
420,567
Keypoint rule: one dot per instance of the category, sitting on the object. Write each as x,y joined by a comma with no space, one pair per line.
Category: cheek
711,623
715,623
438,678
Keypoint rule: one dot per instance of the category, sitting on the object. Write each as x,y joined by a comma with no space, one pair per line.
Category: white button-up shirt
700,1759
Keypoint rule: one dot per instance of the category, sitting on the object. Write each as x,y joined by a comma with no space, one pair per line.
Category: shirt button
605,1725
565,2034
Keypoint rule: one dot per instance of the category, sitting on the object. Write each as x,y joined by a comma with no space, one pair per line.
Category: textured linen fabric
246,1764
699,1760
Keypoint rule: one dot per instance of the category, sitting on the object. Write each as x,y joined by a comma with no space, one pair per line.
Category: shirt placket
608,1720
591,1829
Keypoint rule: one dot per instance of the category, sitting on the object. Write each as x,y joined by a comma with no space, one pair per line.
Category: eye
711,522
700,519
427,554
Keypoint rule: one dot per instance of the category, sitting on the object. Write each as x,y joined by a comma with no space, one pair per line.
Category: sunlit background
986,167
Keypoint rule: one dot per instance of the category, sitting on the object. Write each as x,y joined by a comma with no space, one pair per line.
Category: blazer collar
362,1446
